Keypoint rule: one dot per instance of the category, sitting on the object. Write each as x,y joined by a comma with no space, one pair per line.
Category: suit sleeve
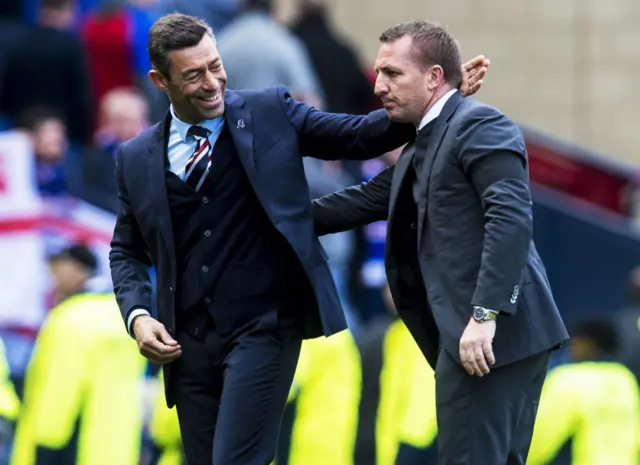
332,136
354,206
128,257
492,153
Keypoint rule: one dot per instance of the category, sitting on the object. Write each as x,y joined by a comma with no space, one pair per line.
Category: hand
154,341
472,73
476,347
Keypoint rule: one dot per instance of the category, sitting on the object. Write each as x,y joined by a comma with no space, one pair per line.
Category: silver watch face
479,313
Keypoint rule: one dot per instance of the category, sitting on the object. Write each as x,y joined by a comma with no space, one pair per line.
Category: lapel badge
240,123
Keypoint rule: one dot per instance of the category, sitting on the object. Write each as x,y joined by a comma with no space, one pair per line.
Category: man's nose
380,87
211,82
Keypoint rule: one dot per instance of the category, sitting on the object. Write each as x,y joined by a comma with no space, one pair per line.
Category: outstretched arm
332,136
354,206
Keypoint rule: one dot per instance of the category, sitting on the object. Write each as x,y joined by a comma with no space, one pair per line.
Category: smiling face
196,81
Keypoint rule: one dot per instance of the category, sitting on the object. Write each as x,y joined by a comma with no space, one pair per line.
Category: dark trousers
231,391
488,420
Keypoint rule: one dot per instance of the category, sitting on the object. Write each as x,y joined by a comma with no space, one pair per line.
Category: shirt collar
183,128
436,109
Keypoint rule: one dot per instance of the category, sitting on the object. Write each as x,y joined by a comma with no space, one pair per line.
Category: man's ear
158,79
436,77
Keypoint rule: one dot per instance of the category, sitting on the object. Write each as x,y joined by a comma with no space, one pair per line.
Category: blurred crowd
73,81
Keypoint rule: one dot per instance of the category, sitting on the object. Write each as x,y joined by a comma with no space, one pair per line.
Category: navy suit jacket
271,132
473,228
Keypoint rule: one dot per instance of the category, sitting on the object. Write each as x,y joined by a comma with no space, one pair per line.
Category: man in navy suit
462,266
215,198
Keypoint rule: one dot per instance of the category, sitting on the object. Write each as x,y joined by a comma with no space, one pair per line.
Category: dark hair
33,117
174,32
601,332
433,45
78,253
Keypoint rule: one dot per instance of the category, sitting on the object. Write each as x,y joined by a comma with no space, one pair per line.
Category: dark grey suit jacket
474,235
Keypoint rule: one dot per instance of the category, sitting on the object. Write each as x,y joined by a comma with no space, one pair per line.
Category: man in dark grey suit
460,257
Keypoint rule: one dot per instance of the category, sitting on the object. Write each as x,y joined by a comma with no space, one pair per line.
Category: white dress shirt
180,147
436,109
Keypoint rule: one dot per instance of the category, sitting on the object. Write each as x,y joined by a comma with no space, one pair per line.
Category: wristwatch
481,314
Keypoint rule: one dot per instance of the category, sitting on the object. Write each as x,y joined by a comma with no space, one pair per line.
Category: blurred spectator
217,13
345,86
9,405
47,68
71,269
48,135
589,412
164,430
123,115
628,326
82,399
115,37
258,52
397,422
323,404
12,30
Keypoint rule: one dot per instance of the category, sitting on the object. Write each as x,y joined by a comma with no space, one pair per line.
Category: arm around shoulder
333,136
354,206
128,258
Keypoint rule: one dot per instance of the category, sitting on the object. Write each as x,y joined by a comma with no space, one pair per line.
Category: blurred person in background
115,38
124,113
48,134
47,68
260,52
9,406
459,251
344,85
82,394
71,269
589,412
164,430
321,418
397,414
12,30
217,13
627,322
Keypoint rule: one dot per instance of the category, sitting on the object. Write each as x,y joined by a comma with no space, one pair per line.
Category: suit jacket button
207,300
205,269
207,233
414,226
205,199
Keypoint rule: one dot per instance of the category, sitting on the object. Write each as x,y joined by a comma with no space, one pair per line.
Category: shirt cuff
132,314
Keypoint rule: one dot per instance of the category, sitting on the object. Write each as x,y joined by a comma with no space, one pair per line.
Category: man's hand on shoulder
154,341
472,73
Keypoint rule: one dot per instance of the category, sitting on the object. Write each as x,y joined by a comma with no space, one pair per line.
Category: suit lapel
156,167
399,172
429,148
238,119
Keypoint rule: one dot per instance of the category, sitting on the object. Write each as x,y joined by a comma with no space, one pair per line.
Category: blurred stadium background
73,389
